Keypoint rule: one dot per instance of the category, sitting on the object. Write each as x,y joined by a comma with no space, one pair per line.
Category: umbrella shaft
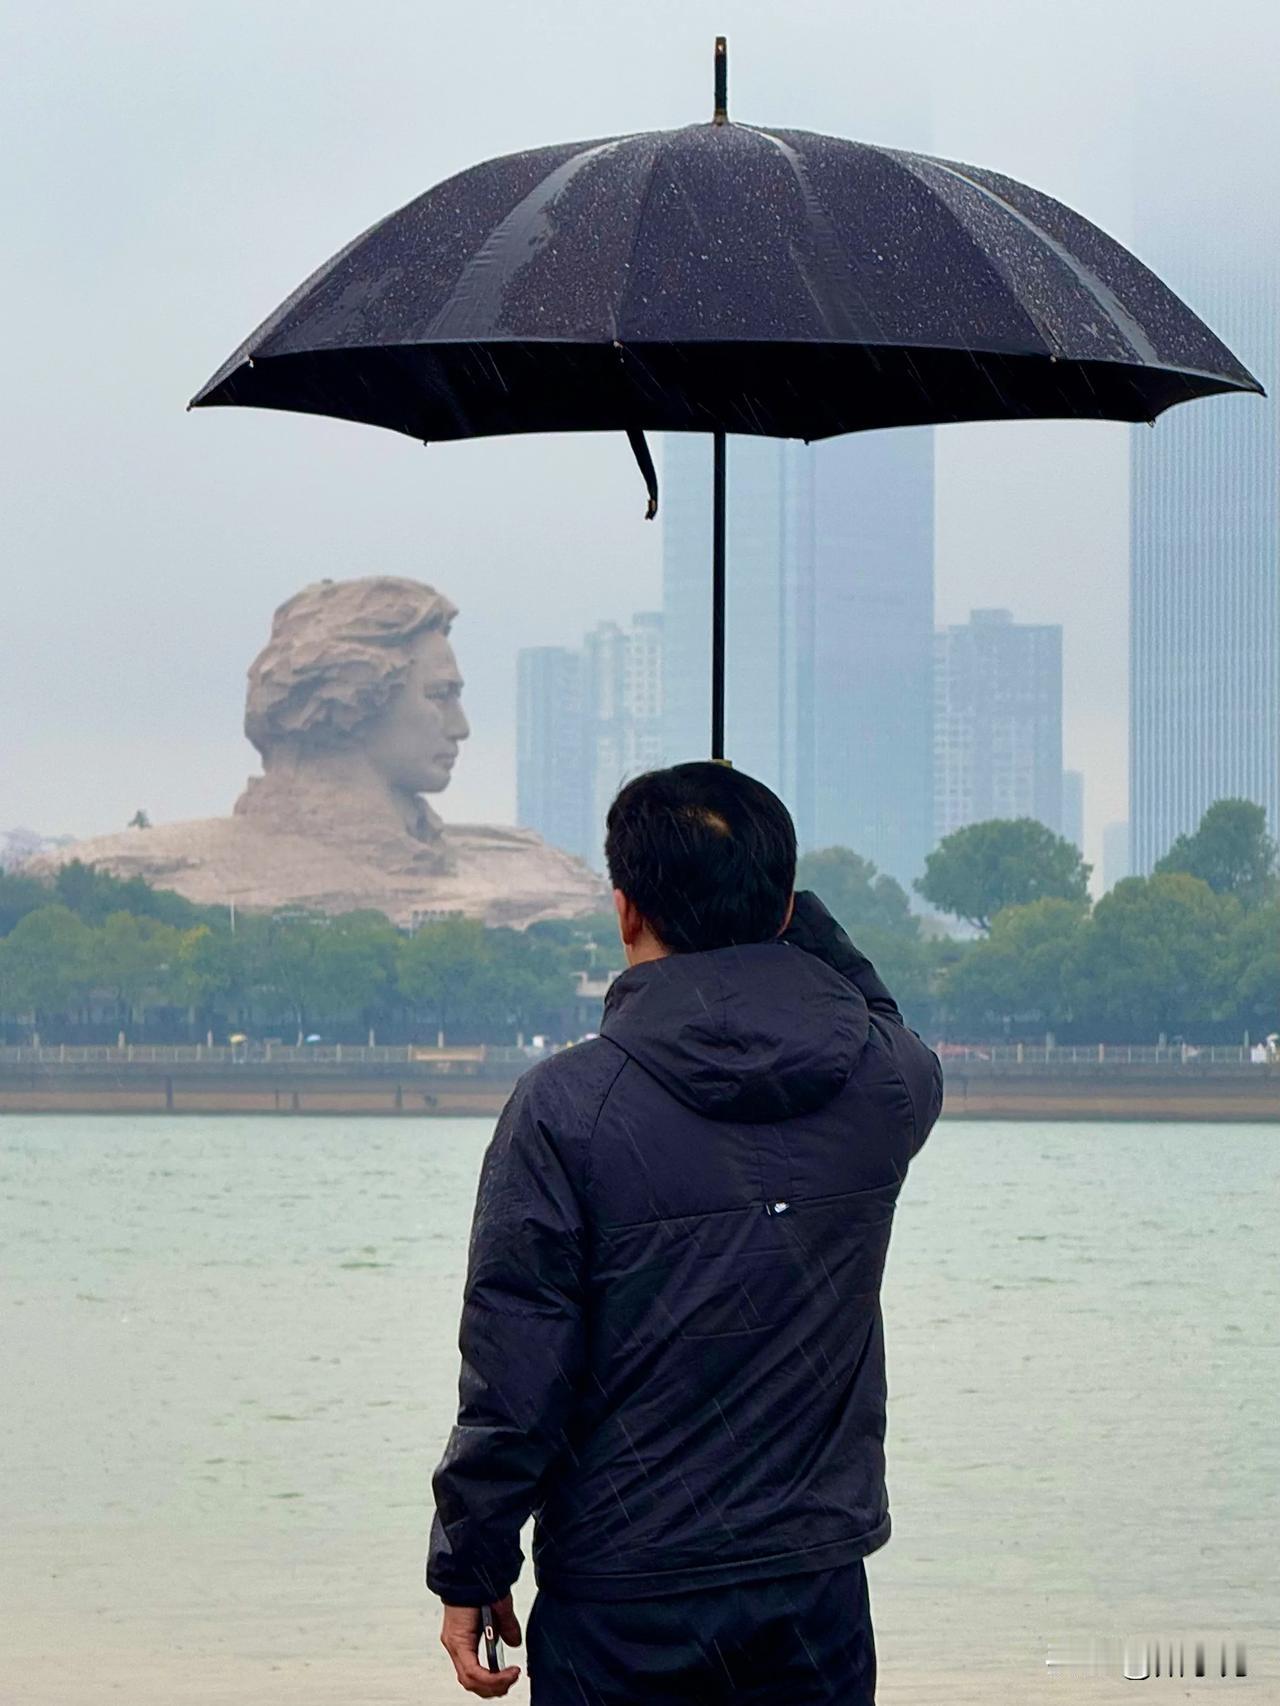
717,597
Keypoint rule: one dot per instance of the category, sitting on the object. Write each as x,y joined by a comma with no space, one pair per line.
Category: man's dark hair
705,854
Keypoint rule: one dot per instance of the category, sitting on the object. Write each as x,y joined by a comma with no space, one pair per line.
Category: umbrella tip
721,115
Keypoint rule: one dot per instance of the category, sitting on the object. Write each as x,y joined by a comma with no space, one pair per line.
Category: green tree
1157,956
856,894
1021,968
279,959
313,967
591,943
19,895
536,979
876,913
977,871
46,963
1230,850
448,973
211,970
94,895
355,965
1255,958
138,959
909,966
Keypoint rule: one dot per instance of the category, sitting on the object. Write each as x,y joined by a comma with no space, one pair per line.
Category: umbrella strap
640,450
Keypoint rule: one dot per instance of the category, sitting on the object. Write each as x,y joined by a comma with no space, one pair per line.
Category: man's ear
791,907
630,923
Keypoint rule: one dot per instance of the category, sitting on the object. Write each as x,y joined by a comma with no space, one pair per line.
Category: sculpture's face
414,743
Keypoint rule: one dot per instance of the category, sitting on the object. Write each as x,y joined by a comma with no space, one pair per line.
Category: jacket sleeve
814,929
523,1353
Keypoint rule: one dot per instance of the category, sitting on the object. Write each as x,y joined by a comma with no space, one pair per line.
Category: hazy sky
172,170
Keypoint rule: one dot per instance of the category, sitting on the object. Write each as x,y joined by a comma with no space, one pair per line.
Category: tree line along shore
1190,952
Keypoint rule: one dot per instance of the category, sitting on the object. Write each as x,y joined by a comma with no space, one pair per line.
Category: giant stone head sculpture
362,667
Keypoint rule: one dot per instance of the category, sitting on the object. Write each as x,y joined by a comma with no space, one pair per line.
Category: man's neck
645,948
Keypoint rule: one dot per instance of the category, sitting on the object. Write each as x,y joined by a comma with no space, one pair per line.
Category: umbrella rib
834,314
994,266
474,297
1122,321
636,234
822,224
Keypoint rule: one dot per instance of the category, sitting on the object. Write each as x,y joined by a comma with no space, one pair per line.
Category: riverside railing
1170,1055
238,1054
1106,1054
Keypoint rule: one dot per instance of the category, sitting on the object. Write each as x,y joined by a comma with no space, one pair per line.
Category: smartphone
492,1645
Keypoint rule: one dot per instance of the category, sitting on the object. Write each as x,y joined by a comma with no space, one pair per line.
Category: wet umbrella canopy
726,278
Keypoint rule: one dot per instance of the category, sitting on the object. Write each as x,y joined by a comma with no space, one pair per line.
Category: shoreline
401,1091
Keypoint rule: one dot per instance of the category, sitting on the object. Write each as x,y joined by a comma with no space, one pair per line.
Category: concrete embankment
453,1086
414,1083
1114,1093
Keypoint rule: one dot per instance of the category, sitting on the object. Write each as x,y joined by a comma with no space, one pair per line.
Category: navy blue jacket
672,1347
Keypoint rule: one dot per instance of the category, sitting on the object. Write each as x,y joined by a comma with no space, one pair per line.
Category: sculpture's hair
338,651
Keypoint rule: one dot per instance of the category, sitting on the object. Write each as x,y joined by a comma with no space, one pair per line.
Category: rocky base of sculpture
497,875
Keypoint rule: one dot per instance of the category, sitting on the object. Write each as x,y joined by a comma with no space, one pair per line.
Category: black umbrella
726,278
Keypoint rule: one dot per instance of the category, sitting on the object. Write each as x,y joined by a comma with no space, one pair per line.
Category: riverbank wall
1058,1084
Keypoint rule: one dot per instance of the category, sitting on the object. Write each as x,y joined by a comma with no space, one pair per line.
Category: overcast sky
172,170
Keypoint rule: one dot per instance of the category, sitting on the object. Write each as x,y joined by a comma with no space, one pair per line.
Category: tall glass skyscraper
998,723
552,746
757,474
863,648
829,628
622,706
586,721
1204,676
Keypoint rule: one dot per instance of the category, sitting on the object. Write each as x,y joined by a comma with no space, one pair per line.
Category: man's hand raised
461,1638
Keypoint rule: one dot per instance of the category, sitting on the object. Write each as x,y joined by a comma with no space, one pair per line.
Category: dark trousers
801,1640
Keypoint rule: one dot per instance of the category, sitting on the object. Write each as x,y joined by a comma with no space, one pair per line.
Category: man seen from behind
672,1344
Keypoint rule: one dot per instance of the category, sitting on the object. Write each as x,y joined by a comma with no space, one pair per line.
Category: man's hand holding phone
464,1638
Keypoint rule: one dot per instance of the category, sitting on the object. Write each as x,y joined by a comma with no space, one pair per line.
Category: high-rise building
1204,638
863,602
754,606
586,721
551,748
1073,808
998,722
829,630
622,706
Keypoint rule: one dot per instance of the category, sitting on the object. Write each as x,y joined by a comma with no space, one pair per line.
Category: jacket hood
756,1033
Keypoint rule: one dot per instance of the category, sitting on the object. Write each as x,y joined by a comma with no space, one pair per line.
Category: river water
229,1362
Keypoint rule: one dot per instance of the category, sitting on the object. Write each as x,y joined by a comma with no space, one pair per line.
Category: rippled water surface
230,1365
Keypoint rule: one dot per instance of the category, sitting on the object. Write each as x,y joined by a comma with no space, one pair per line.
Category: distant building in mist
997,722
586,720
755,644
1073,807
1204,675
829,630
551,746
622,675
1115,854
